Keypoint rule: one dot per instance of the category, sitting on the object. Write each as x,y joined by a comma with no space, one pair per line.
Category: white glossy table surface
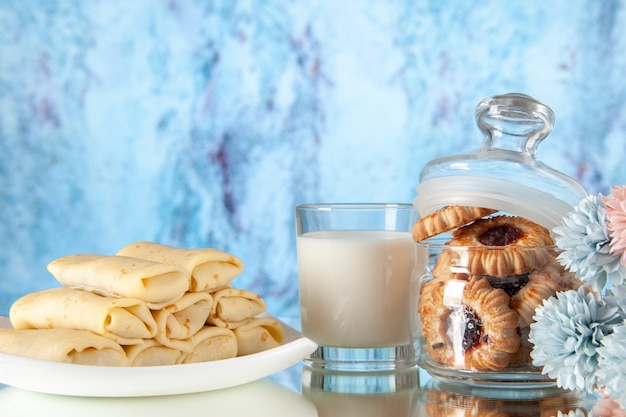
301,391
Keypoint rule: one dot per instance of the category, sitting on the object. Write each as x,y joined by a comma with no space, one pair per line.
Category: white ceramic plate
111,381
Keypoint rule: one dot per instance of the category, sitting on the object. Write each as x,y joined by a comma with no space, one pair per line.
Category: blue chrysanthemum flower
616,297
620,290
566,334
584,240
612,364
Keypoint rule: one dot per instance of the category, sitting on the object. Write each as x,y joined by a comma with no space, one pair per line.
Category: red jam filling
473,330
502,235
510,284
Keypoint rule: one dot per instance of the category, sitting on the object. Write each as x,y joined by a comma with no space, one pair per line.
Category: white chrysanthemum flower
572,413
585,243
615,204
566,334
612,364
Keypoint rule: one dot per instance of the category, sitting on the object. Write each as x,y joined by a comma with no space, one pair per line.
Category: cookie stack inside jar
486,256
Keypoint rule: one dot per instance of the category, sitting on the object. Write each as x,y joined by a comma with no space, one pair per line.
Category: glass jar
486,257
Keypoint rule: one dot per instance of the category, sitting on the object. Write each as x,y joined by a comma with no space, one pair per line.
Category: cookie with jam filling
502,245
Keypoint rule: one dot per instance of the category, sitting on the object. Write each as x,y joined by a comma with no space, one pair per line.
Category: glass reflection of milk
367,395
354,287
357,405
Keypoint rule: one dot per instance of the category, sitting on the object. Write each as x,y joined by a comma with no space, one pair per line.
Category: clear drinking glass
354,264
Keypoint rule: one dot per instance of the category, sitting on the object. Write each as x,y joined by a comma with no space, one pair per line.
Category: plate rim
114,381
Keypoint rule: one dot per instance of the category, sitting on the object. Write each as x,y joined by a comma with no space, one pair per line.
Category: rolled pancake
124,320
63,345
211,343
155,283
233,307
258,335
209,268
151,353
182,319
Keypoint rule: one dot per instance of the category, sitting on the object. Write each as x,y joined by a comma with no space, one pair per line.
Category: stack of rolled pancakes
149,304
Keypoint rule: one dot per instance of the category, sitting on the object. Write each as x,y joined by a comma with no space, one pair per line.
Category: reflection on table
302,391
444,399
260,398
361,395
414,393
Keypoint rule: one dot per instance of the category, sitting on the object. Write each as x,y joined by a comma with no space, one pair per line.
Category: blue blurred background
203,123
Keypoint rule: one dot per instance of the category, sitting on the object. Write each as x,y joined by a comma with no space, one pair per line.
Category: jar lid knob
514,121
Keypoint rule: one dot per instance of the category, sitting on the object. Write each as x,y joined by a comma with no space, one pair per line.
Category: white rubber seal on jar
476,191
453,299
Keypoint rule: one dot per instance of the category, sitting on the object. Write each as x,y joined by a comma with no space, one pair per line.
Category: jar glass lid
503,173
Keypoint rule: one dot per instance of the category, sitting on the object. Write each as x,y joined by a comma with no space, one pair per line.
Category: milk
354,287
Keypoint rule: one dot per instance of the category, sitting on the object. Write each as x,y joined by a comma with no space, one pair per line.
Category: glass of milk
354,266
